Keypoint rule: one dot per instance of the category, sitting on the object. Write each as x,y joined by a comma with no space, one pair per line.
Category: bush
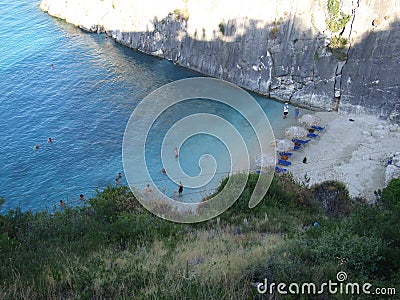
338,47
113,200
333,197
181,14
338,42
389,197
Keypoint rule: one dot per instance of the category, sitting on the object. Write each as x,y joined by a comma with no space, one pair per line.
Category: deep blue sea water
80,89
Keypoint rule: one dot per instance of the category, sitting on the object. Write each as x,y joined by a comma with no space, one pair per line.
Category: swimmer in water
119,175
82,197
62,204
50,140
148,189
37,146
164,171
180,189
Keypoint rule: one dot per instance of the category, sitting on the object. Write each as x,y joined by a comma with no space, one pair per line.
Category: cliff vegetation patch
338,47
337,19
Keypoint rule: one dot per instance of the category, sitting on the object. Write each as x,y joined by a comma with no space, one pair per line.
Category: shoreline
353,152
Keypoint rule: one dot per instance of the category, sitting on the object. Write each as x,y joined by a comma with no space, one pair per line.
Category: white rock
379,133
391,172
366,133
158,52
396,161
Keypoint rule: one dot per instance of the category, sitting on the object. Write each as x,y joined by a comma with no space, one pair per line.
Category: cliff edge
323,54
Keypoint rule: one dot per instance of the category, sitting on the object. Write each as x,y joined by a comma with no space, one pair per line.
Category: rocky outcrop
393,168
370,79
322,54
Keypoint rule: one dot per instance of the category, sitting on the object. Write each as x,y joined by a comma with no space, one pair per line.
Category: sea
80,89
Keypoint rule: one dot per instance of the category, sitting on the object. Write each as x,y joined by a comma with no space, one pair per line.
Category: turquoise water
79,89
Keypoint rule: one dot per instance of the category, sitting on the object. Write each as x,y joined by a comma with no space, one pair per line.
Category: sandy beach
353,152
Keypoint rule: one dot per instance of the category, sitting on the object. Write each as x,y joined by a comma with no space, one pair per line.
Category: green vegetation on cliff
115,249
337,19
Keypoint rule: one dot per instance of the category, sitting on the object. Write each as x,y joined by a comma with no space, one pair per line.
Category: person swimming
50,140
62,204
148,189
180,189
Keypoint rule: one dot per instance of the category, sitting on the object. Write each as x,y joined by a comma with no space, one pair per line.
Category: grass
115,249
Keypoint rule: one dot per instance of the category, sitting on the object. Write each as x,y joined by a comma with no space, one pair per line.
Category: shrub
338,42
390,196
113,200
334,198
337,46
274,32
221,27
337,20
181,14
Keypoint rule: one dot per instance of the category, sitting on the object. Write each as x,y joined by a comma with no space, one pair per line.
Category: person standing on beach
176,152
296,112
285,110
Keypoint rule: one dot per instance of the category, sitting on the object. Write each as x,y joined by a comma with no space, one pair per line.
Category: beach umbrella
295,132
309,120
284,145
265,160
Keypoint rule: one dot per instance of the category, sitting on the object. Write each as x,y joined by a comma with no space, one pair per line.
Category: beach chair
285,153
312,135
319,128
280,170
284,162
303,142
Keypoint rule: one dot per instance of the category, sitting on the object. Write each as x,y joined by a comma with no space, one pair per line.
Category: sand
353,152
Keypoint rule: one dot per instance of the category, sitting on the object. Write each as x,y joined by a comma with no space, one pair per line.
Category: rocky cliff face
323,54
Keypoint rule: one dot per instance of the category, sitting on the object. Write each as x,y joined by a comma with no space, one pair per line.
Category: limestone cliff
325,54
